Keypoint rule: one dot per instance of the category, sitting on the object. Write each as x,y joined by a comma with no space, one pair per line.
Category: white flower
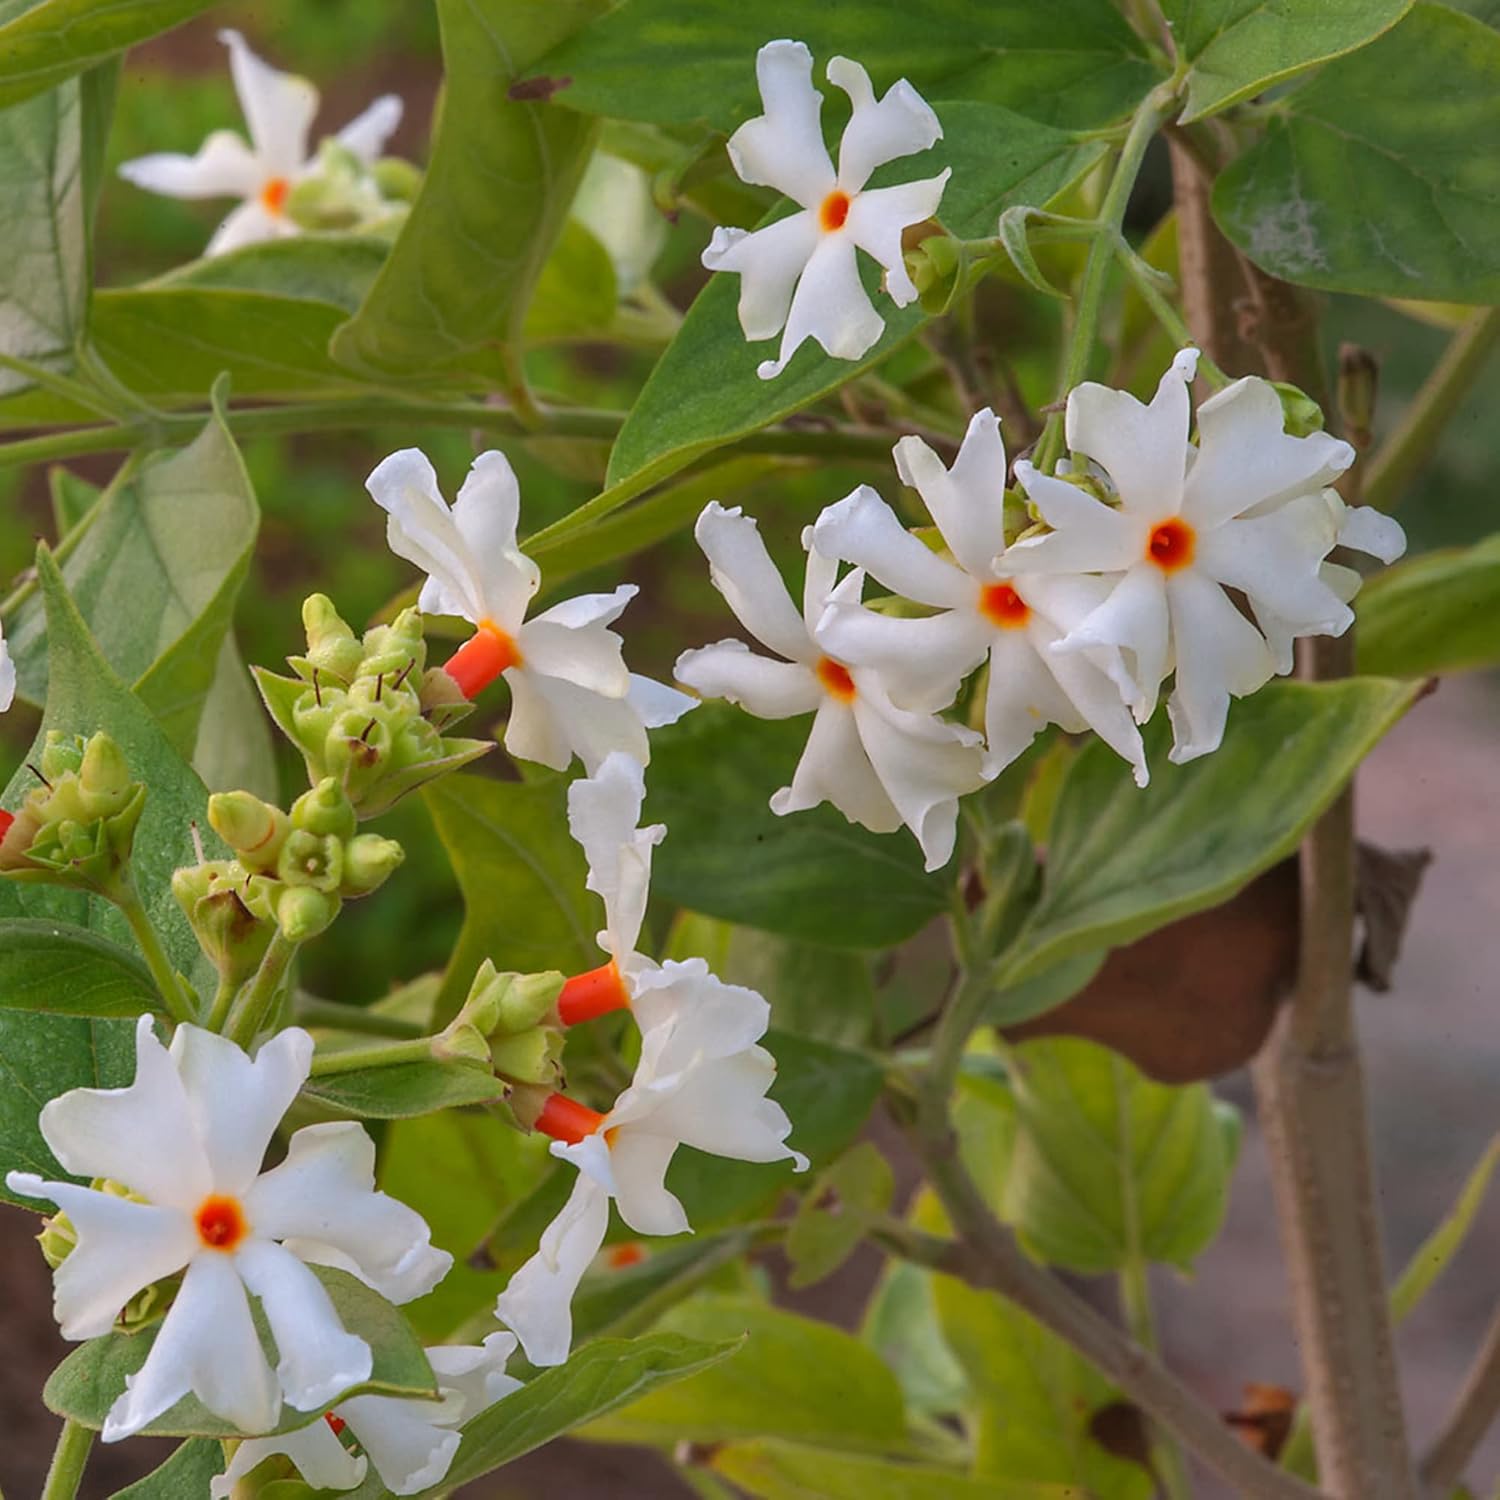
279,110
411,1443
987,612
570,691
7,675
1245,509
187,1137
802,271
879,764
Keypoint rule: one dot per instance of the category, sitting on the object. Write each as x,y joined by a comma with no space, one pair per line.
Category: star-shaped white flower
570,691
987,613
802,271
879,764
187,1137
279,110
1245,509
411,1443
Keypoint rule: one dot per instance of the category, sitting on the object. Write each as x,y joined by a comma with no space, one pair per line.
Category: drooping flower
879,764
802,272
1244,509
279,109
987,612
570,691
410,1443
186,1138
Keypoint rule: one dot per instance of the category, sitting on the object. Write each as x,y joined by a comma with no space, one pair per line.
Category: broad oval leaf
812,875
1299,203
1122,862
1237,48
187,1472
88,1382
404,1090
50,966
338,269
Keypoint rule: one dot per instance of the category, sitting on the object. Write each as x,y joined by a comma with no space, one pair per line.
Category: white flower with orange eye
802,272
986,612
410,1443
881,765
279,110
187,1138
1244,509
570,691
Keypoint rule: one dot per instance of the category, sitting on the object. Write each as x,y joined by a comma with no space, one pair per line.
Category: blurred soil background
1432,1043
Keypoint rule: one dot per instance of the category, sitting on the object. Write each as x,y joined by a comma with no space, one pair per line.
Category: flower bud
442,699
1300,414
369,861
253,829
461,1042
311,859
213,897
530,1057
397,180
303,911
325,810
332,646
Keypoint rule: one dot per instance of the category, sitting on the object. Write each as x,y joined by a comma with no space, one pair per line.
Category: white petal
366,134
1219,654
279,108
237,1104
319,1358
486,513
536,1304
1096,697
783,148
122,1247
588,658
925,764
325,1191
967,501
1022,697
687,1015
1367,530
742,571
862,529
768,262
1143,449
1087,536
921,662
603,811
225,167
409,1449
763,687
320,1458
831,306
640,1163
475,1372
878,217
552,720
207,1344
834,768
585,610
820,585
901,123
1133,617
7,676
143,1136
249,224
655,704
1245,459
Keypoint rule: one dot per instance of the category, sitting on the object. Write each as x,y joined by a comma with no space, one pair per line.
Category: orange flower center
837,682
482,658
567,1120
631,1253
220,1222
595,993
1001,604
833,211
1170,545
273,195
6,819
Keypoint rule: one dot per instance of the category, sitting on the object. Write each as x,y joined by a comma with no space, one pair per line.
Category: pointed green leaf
837,1213
234,749
404,1090
186,1473
901,1325
50,966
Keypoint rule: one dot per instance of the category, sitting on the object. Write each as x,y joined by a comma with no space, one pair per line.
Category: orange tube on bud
595,993
567,1120
6,820
481,659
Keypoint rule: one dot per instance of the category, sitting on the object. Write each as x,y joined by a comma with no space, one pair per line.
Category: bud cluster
509,1024
362,712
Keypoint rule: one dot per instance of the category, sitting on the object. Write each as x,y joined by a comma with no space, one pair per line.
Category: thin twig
1475,1413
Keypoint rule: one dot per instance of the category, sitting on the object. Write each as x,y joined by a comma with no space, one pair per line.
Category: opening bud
1300,414
331,645
253,829
369,861
531,1057
213,897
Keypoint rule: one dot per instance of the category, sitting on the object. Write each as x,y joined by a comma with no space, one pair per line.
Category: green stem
178,1005
1172,321
69,389
1135,1302
382,1055
253,1010
1398,459
1152,114
68,1459
310,1011
218,1008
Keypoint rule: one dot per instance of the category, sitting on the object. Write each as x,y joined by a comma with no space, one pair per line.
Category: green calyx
232,913
1300,414
508,1024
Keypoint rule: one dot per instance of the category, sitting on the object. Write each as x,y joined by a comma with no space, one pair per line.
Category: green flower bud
214,897
325,810
397,648
530,1057
253,829
461,1042
303,911
442,699
356,750
397,180
528,1000
369,861
1300,414
332,646
311,859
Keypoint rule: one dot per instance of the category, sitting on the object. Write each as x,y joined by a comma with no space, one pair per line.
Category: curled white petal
1363,528
835,768
899,123
967,501
862,529
366,134
763,687
279,107
830,306
920,662
603,811
224,167
7,675
768,262
783,148
742,571
879,217
320,1458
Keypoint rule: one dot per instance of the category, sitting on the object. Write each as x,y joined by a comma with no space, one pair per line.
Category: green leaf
49,966
795,1378
1237,48
403,1090
704,391
597,1379
1350,198
44,275
84,695
812,876
186,1473
88,1382
338,269
901,1325
1076,60
42,1056
497,188
1105,1167
575,294
73,497
156,576
835,1216
775,1470
511,852
234,748
1435,1252
1122,862
1045,990
42,44
1433,613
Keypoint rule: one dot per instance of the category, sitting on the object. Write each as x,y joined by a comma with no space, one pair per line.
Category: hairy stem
308,1010
255,1007
381,1055
1476,1411
74,1443
178,1005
